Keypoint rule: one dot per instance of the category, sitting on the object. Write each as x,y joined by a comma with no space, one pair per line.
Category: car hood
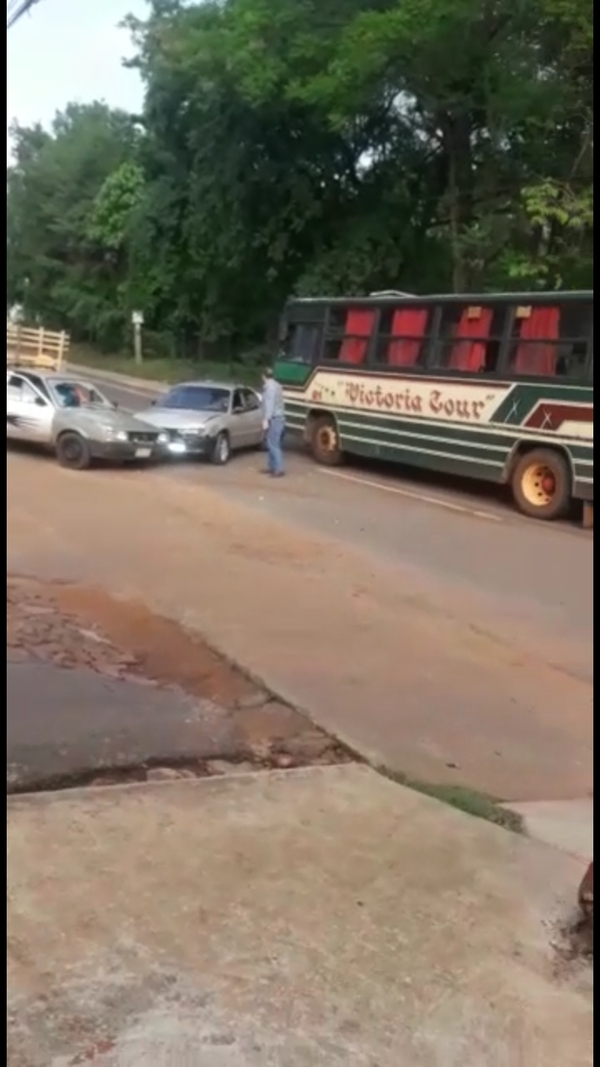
176,419
107,418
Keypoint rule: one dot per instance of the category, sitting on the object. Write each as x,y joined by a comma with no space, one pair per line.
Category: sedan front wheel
221,453
73,451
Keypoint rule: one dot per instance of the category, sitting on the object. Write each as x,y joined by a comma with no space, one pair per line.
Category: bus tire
325,441
541,484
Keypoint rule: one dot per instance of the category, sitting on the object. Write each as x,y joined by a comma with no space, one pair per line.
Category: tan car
209,419
72,417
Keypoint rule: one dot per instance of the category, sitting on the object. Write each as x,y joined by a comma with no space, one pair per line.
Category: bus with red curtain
496,387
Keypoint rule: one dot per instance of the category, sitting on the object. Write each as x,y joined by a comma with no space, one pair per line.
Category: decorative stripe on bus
473,403
427,451
400,432
549,415
492,430
457,457
403,440
291,378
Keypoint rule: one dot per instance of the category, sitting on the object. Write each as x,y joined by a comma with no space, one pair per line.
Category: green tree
477,86
311,146
56,267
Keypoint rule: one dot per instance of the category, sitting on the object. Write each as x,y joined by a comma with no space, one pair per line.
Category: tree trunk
457,145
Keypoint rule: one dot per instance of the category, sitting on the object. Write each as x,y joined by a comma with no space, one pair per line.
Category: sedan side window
251,400
15,382
39,384
21,390
238,402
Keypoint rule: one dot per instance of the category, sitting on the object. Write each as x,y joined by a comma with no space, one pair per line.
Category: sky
65,50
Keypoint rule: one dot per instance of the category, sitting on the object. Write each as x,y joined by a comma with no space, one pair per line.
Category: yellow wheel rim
327,439
538,485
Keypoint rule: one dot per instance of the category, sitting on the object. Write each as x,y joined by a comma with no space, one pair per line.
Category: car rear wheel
541,484
73,451
221,453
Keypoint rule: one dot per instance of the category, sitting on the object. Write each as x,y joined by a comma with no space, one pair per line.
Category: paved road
63,724
438,634
463,542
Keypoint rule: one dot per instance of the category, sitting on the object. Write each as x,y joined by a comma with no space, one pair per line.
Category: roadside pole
137,318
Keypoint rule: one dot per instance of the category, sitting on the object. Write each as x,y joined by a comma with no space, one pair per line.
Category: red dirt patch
72,626
162,648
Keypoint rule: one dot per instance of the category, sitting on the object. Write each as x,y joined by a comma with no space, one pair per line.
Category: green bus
496,387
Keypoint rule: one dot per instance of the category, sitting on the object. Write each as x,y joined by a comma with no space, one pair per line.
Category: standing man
273,423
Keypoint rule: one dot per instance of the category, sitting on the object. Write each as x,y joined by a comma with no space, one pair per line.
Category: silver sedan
72,417
210,419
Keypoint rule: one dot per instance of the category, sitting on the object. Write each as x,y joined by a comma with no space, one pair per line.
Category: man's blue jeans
274,437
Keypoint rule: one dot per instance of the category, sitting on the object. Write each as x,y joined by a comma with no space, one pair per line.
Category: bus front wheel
325,441
541,484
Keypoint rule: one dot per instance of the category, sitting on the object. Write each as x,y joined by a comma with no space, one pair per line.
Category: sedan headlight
110,434
163,438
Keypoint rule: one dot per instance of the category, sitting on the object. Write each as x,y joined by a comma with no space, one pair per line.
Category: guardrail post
61,349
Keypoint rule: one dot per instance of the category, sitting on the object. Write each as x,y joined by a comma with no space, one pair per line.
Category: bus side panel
583,489
582,461
449,449
423,460
519,415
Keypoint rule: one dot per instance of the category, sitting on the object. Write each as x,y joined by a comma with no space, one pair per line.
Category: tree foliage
312,146
56,267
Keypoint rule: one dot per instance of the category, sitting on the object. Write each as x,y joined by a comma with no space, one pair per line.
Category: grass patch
471,801
165,370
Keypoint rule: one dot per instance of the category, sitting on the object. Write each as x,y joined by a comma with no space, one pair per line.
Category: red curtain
468,351
543,325
359,324
409,327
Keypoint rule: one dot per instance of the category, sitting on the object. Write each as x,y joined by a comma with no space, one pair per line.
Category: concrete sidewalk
320,918
564,824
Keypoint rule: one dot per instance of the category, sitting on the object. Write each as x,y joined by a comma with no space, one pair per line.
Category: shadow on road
420,479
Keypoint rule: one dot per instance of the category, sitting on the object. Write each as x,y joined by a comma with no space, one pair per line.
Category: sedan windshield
197,398
71,394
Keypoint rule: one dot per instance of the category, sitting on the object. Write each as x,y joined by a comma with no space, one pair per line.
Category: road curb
567,825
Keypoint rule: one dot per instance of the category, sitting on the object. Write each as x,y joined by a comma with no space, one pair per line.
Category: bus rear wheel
325,441
541,484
